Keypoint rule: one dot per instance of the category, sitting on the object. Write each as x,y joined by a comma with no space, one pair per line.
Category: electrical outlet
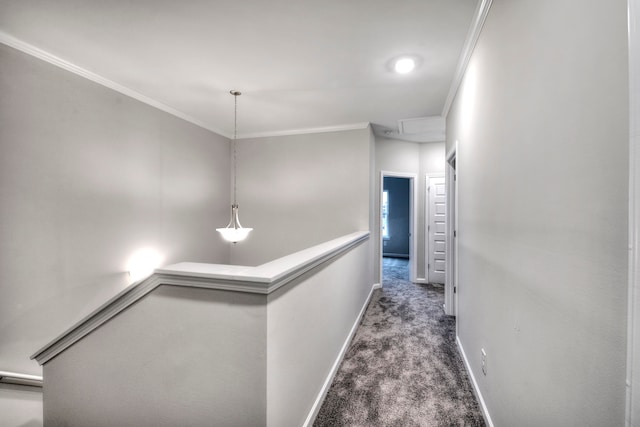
484,361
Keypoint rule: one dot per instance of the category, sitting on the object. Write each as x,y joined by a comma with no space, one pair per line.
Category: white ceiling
301,65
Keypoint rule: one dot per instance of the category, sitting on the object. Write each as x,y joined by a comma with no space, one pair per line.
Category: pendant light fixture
234,232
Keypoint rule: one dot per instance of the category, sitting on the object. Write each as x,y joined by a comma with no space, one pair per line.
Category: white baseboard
421,280
476,389
334,369
377,286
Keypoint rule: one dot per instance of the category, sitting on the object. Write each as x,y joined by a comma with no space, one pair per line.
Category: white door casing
632,417
437,230
451,263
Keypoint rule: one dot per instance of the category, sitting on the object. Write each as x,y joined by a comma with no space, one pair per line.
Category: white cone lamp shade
234,232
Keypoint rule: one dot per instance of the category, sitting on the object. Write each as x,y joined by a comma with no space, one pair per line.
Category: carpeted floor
403,366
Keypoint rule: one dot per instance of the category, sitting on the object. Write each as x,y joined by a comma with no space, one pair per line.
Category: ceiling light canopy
404,65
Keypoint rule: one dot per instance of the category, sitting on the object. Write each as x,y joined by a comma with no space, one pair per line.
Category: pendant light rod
236,94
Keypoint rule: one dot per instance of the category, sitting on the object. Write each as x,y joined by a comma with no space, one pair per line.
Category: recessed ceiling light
404,65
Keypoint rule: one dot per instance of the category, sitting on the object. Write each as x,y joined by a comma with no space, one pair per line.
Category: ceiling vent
428,126
422,129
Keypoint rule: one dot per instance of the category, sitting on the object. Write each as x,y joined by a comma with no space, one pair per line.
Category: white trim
452,152
427,220
413,221
263,279
426,229
20,379
476,389
303,131
313,413
632,407
377,286
451,263
477,23
29,49
421,280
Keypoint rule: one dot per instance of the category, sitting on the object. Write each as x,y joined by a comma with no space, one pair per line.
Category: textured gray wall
541,121
88,176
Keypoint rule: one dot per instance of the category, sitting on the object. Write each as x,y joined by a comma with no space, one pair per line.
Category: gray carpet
403,367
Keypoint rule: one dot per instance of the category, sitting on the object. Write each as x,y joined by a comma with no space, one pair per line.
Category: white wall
541,121
301,190
309,321
88,176
633,346
408,157
179,356
20,406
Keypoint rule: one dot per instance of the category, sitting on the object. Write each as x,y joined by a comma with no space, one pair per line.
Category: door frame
413,215
451,246
427,212
632,415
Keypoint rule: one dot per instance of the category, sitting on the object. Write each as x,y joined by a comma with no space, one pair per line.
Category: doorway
397,219
451,246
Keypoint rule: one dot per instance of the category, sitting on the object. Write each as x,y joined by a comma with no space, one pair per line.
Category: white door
437,229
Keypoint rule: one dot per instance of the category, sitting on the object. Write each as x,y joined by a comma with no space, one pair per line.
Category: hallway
403,367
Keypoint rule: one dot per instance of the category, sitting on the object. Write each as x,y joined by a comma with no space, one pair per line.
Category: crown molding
34,51
303,131
477,23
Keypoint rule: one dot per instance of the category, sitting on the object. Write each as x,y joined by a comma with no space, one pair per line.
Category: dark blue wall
398,242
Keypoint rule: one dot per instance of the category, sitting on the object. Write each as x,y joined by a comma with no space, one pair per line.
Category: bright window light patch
385,214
